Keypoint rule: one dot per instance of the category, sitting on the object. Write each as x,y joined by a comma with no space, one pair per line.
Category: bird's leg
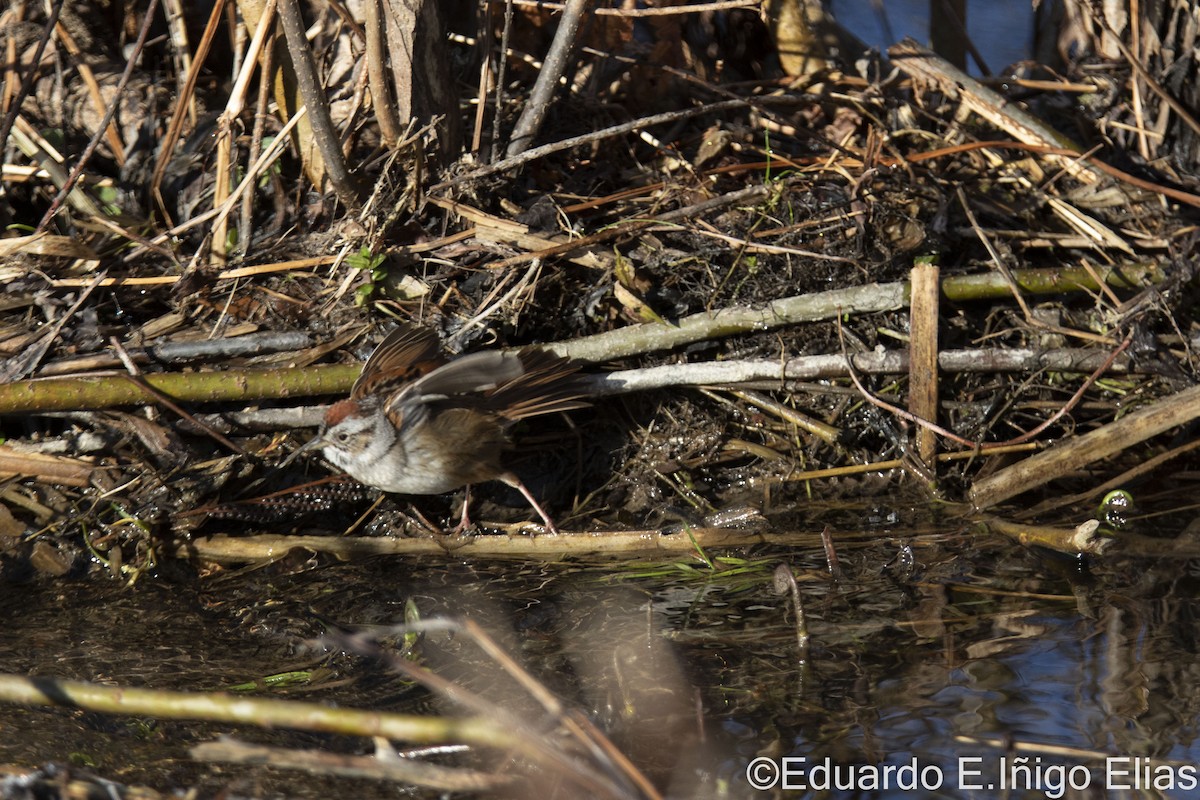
515,482
464,521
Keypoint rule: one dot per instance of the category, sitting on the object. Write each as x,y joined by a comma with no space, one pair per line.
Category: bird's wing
408,353
463,381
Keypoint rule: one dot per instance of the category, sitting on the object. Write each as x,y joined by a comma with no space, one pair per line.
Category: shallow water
934,646
1001,31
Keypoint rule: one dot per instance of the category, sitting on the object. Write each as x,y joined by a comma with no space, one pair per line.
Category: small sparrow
416,423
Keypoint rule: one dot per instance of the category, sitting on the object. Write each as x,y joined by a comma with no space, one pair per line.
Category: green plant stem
91,393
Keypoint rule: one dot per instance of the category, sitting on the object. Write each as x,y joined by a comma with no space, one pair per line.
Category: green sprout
372,263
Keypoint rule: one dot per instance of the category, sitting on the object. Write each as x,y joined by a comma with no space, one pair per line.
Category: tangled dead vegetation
780,284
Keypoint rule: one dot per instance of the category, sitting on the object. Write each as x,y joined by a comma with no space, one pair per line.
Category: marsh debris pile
677,175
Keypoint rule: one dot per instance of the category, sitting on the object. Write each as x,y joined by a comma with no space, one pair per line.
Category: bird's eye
342,437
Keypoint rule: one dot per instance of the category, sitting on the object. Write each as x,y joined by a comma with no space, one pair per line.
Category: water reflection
1090,696
978,650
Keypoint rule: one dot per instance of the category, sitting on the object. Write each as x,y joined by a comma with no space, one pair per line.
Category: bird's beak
311,444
